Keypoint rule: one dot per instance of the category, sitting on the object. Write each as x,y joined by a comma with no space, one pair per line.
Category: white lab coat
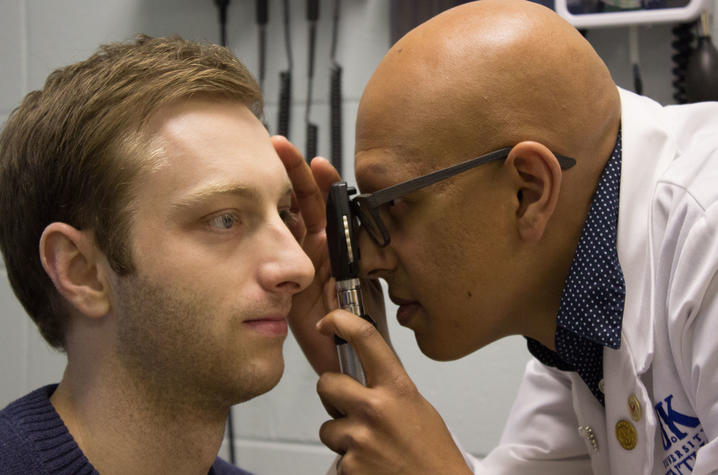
668,359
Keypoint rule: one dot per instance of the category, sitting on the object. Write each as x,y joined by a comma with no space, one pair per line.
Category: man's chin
438,351
259,381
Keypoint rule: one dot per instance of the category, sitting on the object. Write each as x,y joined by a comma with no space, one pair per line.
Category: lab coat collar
648,148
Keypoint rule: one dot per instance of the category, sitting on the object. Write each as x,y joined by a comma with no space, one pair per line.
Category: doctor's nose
376,262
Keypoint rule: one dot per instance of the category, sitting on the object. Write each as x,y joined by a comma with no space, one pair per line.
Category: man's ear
74,264
538,182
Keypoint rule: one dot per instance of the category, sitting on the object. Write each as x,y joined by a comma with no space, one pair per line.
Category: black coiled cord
683,47
285,99
335,95
335,111
311,142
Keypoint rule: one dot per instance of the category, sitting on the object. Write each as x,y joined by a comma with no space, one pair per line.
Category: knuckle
356,440
371,409
405,388
360,438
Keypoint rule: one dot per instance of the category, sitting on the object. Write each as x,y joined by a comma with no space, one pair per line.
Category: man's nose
376,262
288,268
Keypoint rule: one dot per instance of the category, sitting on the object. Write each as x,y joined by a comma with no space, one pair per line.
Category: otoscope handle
349,362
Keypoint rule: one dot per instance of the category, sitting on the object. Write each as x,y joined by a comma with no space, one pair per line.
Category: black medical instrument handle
312,17
222,6
335,96
312,130
312,10
262,12
262,16
335,119
285,80
287,33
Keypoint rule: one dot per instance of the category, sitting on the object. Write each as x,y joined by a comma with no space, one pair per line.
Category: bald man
585,219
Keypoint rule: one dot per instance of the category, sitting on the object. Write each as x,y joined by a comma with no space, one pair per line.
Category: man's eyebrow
250,193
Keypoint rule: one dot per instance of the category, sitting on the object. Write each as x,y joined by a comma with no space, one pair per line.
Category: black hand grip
312,137
262,12
312,10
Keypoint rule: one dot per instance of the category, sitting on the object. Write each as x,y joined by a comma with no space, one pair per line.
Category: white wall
276,433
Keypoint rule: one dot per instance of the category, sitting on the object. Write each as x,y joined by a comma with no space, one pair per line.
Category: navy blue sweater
33,439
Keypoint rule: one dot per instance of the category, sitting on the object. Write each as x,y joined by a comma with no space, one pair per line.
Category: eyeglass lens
368,219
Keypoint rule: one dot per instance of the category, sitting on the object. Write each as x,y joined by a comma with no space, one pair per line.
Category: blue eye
224,221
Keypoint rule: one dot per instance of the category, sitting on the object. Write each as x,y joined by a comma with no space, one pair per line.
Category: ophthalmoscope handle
344,259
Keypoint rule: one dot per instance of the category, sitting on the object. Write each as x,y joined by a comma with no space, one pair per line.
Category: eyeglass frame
372,201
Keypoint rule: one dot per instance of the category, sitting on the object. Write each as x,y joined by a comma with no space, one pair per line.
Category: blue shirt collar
590,314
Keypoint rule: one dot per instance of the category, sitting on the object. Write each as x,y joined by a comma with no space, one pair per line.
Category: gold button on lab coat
634,408
626,434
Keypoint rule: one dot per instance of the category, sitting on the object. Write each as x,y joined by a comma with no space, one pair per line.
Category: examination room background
278,432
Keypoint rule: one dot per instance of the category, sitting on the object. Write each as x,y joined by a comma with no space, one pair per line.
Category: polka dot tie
591,310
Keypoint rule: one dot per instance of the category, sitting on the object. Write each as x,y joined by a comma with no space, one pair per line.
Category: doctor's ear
75,265
537,182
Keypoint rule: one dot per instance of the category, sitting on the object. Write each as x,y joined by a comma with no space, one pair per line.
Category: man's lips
271,325
400,301
407,308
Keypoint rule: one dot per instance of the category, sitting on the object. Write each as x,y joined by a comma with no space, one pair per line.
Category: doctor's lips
270,325
407,308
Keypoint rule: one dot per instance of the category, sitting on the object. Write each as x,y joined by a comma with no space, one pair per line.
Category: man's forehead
209,149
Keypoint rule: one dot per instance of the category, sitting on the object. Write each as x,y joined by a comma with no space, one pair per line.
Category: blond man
150,232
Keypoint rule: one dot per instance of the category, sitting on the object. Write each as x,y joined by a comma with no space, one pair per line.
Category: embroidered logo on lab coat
682,436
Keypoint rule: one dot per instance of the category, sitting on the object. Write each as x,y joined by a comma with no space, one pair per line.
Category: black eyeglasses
366,206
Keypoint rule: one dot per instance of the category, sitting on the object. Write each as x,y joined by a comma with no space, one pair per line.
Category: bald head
484,254
489,74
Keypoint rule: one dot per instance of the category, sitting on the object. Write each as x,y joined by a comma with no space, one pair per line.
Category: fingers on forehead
309,197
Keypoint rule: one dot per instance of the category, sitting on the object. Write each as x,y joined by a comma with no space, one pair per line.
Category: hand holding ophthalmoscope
344,259
385,426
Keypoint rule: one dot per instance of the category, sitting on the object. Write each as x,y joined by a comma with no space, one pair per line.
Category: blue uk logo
682,436
671,419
